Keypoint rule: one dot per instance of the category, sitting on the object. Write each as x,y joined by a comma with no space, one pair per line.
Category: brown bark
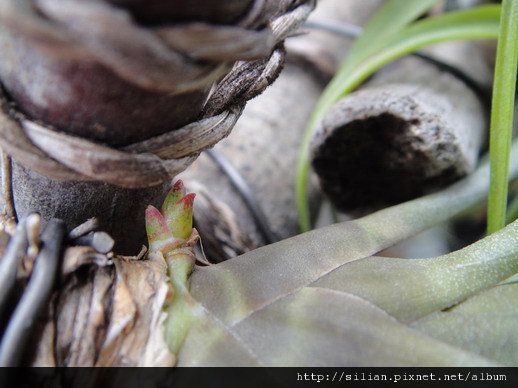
159,11
78,89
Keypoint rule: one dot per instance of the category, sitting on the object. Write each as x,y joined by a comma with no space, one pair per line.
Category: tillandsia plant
171,234
322,299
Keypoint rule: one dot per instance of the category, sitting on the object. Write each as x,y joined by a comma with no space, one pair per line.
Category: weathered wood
120,211
107,313
412,129
264,147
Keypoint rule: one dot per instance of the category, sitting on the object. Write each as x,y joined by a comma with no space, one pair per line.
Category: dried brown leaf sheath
106,314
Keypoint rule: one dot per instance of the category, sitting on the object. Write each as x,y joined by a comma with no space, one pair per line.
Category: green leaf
484,324
429,284
502,110
319,327
172,238
477,23
180,217
320,298
158,233
176,192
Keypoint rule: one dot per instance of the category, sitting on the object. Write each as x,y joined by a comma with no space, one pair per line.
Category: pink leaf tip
187,201
176,192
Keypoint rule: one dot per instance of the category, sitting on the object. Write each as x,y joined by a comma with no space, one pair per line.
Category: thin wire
35,296
345,29
483,93
244,191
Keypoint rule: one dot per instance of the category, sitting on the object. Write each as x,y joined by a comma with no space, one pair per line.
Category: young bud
176,192
158,233
179,217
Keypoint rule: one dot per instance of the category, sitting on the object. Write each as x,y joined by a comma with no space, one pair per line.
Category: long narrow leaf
477,23
411,289
502,109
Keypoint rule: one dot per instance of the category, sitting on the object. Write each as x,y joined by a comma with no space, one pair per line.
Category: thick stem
180,314
120,211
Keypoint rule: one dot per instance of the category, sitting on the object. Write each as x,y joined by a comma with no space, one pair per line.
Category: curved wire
35,296
13,255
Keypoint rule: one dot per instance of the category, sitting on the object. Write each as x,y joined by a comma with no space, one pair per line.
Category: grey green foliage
321,298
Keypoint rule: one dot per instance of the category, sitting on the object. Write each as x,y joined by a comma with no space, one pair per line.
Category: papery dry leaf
107,315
